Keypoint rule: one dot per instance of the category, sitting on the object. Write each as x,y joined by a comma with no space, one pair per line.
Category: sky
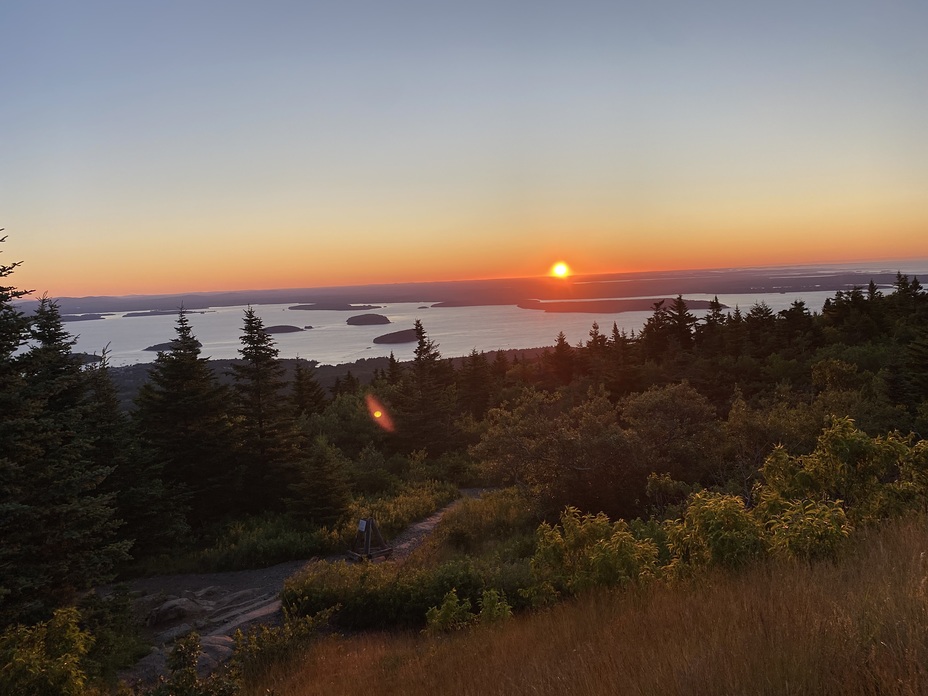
180,146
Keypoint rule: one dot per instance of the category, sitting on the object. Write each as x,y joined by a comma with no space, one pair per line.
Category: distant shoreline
512,291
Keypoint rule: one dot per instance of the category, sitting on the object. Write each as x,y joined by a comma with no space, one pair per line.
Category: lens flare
379,413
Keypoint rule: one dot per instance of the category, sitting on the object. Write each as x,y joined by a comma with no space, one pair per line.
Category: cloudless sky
182,146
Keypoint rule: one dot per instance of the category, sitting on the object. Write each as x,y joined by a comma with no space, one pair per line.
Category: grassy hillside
855,626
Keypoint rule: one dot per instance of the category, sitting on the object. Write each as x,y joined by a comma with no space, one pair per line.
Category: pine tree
153,519
308,396
181,416
426,399
57,524
320,493
265,428
474,384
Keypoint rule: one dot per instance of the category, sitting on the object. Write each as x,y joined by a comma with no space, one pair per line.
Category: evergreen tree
153,519
308,396
319,492
474,384
264,425
394,371
426,400
562,360
680,322
181,416
57,525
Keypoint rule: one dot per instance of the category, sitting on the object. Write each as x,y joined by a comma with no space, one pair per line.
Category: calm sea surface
457,330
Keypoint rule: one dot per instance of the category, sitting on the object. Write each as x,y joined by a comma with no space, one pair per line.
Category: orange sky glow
326,145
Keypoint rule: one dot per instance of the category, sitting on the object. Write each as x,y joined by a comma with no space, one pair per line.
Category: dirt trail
216,604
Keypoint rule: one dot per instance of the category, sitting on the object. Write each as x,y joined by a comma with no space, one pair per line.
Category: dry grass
858,626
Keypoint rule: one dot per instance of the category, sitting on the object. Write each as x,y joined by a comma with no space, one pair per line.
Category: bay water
331,341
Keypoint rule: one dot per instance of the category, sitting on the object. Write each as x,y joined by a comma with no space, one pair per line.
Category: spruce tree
426,400
57,523
153,519
182,418
307,396
319,493
265,426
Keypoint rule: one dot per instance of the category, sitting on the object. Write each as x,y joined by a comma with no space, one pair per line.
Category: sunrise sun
560,270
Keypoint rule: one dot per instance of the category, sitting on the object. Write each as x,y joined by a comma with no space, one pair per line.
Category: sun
560,270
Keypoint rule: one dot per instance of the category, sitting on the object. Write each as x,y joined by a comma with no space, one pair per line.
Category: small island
166,346
282,328
404,336
367,320
334,306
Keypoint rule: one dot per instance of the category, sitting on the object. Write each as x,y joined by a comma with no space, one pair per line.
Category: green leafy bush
378,595
809,529
413,501
716,530
586,551
45,659
495,516
493,607
452,615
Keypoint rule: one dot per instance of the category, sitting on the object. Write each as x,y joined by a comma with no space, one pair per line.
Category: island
404,336
282,328
159,347
367,320
164,312
609,306
334,306
83,317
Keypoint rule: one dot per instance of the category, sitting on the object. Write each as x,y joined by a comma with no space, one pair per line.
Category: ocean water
456,330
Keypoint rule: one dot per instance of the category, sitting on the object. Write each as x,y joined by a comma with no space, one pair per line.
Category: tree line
617,423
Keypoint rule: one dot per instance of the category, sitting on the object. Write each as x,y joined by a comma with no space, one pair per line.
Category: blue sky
202,145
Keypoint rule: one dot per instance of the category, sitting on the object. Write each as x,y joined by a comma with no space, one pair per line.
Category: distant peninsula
83,317
334,306
164,312
282,328
367,320
608,306
404,336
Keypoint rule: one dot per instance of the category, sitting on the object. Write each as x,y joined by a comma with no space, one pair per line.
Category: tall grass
858,625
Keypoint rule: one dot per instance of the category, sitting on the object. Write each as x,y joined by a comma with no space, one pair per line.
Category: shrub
452,615
45,659
493,607
809,529
588,551
716,530
496,515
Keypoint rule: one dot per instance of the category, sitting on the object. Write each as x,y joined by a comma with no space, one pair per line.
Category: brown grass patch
856,626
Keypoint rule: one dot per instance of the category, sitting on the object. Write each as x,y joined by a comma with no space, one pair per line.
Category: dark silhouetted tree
181,415
264,423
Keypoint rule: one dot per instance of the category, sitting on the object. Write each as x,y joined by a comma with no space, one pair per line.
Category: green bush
45,659
258,542
808,529
394,513
493,607
452,615
379,595
586,551
495,516
716,530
